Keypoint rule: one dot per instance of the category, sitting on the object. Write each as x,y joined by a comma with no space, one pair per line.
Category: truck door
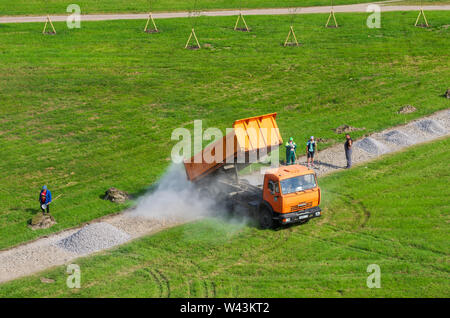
272,193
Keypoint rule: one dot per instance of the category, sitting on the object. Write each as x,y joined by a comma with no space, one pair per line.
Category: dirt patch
116,195
40,221
291,44
346,129
193,47
423,26
151,31
47,280
291,107
323,140
407,109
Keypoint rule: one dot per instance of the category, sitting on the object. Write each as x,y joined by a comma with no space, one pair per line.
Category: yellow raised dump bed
250,139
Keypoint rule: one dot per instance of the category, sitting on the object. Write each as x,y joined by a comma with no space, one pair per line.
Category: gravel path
279,11
65,247
110,231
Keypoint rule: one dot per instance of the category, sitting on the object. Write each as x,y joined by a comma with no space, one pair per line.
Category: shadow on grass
32,211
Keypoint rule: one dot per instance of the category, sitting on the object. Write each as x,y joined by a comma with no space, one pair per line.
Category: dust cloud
175,197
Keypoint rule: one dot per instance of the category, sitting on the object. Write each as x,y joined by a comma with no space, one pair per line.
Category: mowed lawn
32,7
393,213
95,107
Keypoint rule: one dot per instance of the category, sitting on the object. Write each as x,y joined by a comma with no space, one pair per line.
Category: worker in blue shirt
45,198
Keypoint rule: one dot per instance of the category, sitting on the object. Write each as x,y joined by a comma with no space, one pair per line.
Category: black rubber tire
265,219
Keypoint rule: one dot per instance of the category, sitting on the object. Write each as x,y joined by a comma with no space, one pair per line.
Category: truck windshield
299,183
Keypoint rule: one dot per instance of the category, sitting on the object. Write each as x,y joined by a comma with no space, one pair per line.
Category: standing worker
310,150
291,146
348,150
45,198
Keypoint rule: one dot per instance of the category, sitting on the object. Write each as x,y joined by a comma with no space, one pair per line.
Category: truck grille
301,206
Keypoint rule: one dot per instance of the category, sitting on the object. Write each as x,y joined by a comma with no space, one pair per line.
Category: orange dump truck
288,194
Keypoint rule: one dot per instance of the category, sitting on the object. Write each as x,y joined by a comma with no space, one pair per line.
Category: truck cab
290,195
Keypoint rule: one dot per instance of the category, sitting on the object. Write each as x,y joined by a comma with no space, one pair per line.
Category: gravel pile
92,238
398,138
372,146
431,126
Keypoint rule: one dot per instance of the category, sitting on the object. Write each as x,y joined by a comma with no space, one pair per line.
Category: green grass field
31,7
94,107
393,212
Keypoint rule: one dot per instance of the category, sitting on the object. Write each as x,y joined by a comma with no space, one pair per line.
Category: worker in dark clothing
348,150
291,146
45,198
310,150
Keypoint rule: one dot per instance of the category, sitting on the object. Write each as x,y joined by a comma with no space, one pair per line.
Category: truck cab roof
286,172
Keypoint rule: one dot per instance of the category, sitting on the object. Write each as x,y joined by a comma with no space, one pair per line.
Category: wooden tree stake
291,31
146,29
240,16
48,21
424,17
329,18
189,39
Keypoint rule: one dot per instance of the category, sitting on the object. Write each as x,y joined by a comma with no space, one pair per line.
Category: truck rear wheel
265,218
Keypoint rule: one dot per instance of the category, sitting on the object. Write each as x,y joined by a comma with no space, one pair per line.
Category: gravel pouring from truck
289,194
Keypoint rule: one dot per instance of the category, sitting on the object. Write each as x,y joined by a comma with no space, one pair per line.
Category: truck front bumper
295,217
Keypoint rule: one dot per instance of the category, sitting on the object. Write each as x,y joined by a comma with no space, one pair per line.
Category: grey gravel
372,146
398,138
94,237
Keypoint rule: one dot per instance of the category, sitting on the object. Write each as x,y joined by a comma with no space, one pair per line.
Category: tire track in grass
161,281
363,224
368,251
164,280
191,288
351,202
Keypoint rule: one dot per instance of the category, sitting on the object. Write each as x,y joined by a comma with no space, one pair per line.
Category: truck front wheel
265,218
